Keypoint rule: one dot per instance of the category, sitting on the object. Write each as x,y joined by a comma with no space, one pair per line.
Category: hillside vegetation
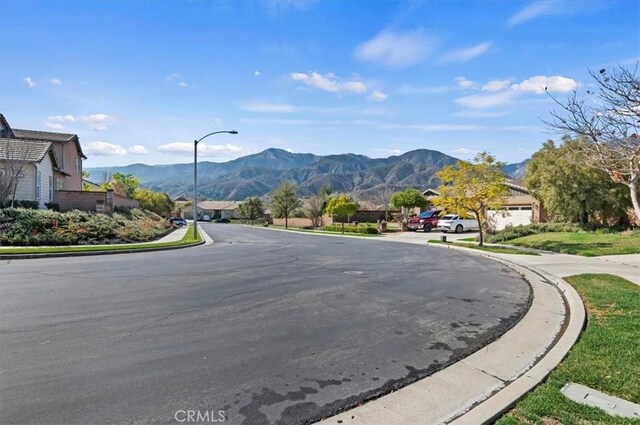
27,227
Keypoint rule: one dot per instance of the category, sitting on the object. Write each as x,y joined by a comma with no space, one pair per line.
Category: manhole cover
353,272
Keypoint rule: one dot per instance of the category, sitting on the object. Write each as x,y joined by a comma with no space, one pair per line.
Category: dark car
426,221
223,220
178,221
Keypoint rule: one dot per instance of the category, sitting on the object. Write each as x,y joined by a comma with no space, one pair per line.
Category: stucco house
519,208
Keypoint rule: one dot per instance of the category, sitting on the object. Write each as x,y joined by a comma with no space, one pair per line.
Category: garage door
513,216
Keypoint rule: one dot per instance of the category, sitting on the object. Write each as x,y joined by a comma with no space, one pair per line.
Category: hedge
513,232
351,229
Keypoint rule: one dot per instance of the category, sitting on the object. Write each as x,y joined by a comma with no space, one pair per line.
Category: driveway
267,326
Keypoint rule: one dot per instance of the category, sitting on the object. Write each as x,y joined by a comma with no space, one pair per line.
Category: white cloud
104,149
396,50
56,81
269,121
496,85
430,128
257,106
329,83
54,126
29,82
467,54
98,122
537,9
173,76
377,96
204,149
541,83
216,121
61,118
483,101
257,73
183,84
137,150
463,83
409,89
465,151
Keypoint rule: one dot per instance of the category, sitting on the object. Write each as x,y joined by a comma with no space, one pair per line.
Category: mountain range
258,174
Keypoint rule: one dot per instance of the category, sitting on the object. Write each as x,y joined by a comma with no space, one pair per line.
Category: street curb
204,240
470,391
87,253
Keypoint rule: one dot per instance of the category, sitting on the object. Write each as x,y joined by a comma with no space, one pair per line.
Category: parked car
178,221
223,220
455,223
206,218
426,221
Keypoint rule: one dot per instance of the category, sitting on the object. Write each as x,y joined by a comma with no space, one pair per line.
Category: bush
52,206
513,232
47,227
32,205
369,230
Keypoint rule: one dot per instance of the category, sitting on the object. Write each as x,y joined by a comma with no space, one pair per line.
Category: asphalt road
270,327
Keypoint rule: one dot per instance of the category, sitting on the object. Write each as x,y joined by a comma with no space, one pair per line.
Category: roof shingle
23,150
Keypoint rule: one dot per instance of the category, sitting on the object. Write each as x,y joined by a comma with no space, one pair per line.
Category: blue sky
139,80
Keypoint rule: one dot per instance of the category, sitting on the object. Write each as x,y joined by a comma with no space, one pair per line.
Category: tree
251,209
473,188
383,200
12,169
571,190
313,209
408,199
157,202
284,201
608,122
342,206
86,187
122,184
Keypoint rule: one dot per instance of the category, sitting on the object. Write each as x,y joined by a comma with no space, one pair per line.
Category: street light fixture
195,178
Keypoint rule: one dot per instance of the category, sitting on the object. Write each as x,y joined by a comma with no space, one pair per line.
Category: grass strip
587,244
324,232
486,248
606,358
186,240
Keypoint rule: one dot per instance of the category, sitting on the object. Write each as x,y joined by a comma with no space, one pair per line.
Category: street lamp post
195,178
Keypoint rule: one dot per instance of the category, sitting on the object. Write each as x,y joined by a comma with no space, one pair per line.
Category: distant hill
517,170
259,174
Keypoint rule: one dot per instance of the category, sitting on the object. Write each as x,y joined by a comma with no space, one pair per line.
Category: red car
426,221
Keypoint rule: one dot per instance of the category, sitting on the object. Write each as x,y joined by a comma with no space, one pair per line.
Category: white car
455,223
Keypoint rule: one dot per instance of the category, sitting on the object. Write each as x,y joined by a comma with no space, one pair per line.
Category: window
59,184
50,188
79,165
38,185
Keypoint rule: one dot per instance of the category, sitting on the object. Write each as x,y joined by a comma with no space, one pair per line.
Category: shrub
513,232
369,230
48,227
52,206
33,205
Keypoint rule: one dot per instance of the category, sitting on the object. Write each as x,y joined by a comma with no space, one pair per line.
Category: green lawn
582,243
487,248
186,240
606,358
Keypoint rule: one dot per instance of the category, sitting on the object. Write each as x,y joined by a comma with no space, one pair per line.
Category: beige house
519,208
33,164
